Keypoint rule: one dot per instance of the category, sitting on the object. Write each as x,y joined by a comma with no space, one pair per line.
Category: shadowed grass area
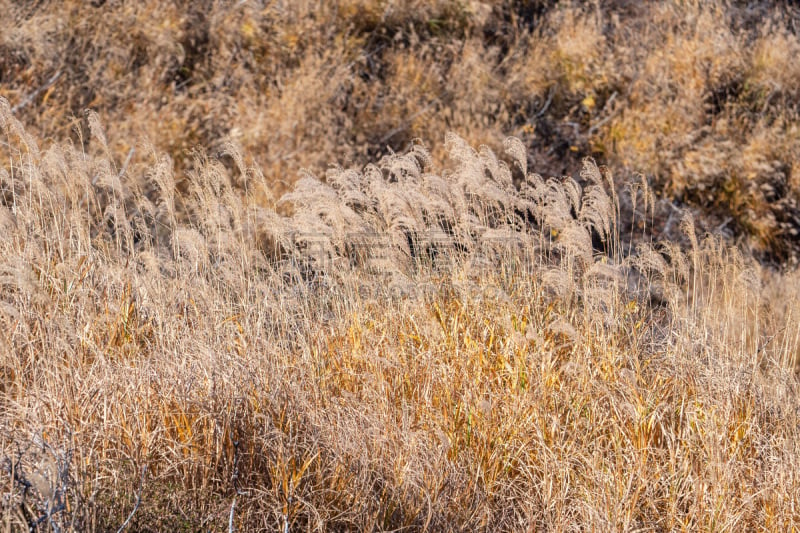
701,97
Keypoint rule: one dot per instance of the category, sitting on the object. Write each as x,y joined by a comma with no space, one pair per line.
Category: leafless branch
138,501
28,99
127,162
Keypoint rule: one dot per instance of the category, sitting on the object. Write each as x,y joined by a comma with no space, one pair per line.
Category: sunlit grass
405,346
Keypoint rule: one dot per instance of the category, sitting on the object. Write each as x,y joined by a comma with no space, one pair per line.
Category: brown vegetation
194,335
410,348
699,96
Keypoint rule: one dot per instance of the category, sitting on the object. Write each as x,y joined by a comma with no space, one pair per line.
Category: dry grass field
239,293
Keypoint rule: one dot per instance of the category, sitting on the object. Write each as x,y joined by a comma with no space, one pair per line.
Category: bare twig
138,501
547,103
230,518
28,99
602,123
531,121
127,162
56,501
49,515
723,225
608,117
235,482
407,123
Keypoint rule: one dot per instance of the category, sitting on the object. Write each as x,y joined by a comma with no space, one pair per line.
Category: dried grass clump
399,347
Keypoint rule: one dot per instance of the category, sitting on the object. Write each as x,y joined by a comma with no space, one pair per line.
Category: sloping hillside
701,97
